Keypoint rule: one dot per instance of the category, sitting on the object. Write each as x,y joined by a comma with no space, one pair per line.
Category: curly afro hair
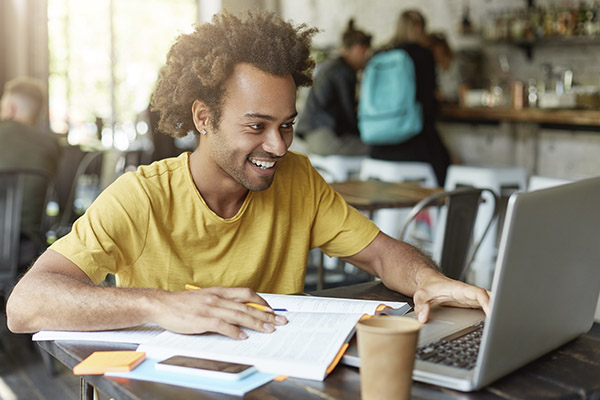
199,64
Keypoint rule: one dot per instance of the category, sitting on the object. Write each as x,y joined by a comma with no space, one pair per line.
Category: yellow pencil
259,307
191,287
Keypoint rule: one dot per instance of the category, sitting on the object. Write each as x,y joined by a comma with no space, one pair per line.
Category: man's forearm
406,268
401,266
50,301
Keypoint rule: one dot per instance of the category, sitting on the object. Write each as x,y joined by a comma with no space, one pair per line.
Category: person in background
426,146
443,55
328,123
24,145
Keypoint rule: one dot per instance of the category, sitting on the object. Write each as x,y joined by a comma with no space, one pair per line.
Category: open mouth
264,165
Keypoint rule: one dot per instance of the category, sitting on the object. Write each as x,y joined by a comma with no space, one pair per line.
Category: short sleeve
338,229
111,235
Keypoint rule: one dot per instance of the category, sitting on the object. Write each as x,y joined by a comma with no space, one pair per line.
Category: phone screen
204,364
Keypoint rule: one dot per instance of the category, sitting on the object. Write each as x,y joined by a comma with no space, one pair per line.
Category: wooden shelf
535,115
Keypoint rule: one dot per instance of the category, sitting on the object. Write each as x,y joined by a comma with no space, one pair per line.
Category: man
328,123
23,145
237,215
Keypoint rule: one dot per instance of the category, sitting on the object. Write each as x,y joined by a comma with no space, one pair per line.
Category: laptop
544,292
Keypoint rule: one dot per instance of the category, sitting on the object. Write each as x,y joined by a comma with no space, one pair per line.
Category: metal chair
12,183
457,247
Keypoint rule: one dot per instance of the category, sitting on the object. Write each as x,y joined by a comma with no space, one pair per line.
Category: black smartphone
205,367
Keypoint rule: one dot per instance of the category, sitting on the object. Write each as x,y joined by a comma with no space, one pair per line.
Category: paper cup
386,347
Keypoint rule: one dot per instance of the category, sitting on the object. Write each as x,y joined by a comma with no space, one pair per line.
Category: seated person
328,124
25,146
235,217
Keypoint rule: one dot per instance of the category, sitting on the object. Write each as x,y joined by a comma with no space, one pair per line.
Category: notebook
544,291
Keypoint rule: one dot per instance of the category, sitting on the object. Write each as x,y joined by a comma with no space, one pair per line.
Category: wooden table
373,195
572,371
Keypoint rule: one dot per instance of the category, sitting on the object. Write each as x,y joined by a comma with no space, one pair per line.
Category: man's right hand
216,309
55,294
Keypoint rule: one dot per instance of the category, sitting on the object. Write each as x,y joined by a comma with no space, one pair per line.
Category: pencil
255,305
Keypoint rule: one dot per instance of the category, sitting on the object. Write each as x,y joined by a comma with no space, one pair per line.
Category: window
104,61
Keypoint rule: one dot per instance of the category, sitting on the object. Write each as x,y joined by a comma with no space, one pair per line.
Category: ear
200,114
8,109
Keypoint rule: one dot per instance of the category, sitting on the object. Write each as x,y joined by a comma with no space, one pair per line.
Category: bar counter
451,112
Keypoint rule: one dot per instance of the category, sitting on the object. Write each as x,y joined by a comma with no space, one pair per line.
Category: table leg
86,390
321,271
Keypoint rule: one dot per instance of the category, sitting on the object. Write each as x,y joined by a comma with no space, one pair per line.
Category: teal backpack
388,112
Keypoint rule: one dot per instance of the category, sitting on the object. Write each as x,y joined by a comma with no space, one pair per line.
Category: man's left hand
440,290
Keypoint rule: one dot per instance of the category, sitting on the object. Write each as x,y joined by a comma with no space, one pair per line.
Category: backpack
388,112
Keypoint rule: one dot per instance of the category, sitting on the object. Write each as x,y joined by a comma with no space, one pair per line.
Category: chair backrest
398,171
12,183
89,160
458,248
537,182
336,168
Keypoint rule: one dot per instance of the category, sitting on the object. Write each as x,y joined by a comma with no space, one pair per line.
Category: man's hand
440,290
216,309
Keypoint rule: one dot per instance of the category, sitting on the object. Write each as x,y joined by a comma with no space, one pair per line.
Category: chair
537,182
12,183
503,181
337,168
82,191
457,221
333,168
390,220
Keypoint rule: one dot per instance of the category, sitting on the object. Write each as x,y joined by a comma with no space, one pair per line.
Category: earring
203,131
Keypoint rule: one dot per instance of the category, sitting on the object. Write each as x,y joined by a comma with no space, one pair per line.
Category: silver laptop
544,292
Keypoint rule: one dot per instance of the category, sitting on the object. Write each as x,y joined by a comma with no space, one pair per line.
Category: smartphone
205,367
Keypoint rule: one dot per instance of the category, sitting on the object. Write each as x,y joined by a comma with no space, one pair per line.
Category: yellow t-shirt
151,228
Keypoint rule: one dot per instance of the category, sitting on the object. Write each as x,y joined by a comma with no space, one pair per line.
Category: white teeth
263,164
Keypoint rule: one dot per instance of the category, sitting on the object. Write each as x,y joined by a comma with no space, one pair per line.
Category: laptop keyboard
457,350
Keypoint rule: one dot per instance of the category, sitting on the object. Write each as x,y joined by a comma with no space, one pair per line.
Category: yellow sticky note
100,362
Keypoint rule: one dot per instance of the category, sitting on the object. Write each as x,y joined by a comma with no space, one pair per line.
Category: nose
275,143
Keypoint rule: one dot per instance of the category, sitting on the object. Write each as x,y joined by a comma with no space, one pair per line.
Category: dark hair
353,36
439,39
200,63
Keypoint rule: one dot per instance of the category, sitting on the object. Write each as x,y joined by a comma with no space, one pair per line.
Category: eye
288,125
256,127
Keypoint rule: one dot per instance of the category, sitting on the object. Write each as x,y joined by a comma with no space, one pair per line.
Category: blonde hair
406,27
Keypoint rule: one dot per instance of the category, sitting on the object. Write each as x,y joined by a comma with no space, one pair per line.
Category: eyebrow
267,117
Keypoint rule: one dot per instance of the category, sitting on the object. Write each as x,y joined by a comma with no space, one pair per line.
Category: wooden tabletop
571,371
373,194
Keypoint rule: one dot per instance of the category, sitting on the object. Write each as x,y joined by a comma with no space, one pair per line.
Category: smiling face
255,130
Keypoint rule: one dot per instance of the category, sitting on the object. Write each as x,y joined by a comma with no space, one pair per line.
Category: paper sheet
137,335
328,305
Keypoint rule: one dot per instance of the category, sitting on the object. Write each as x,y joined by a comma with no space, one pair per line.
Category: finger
222,327
241,295
246,318
218,297
251,299
423,314
266,315
484,301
